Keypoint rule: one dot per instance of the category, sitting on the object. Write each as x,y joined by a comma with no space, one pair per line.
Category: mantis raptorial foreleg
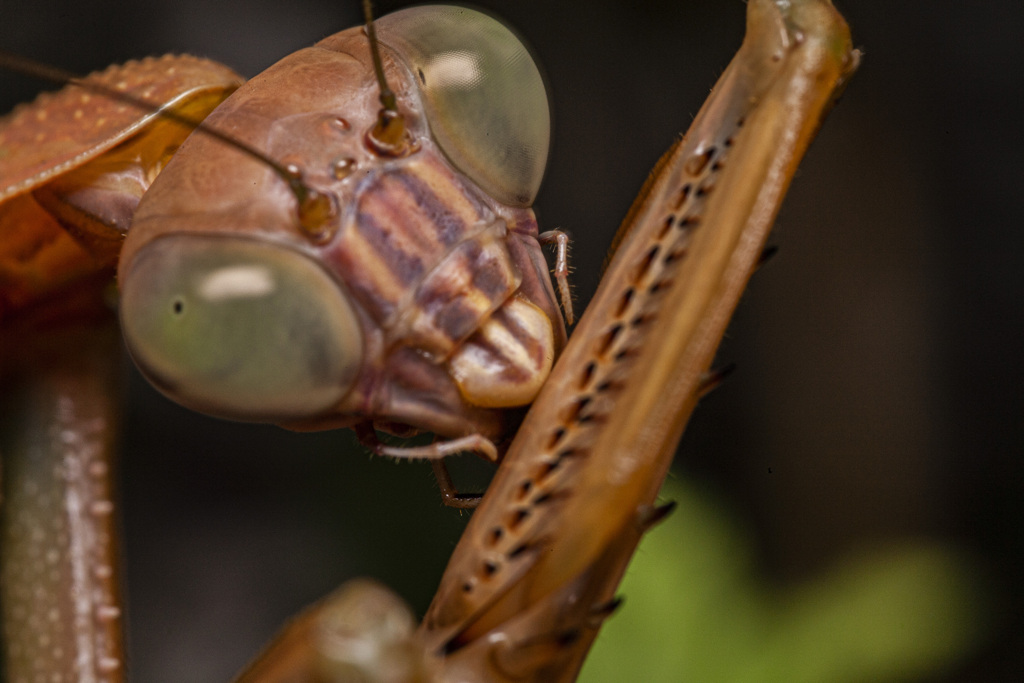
537,568
61,579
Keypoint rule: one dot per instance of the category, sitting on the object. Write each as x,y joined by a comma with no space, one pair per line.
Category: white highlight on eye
455,70
237,282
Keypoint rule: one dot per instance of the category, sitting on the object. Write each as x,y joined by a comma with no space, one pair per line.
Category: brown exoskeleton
344,278
530,582
296,261
536,571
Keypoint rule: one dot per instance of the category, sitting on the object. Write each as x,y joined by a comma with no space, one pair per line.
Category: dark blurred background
878,395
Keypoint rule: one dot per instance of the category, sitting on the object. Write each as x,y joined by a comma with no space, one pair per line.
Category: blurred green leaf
696,611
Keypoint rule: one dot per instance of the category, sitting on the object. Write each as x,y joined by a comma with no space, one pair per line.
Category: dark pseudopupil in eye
317,359
179,306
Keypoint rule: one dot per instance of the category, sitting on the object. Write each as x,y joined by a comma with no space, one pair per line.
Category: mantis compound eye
482,92
238,328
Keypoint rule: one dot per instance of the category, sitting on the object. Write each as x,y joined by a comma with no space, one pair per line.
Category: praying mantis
788,37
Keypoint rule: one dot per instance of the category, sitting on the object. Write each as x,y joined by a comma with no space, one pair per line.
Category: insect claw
367,436
568,637
766,255
461,501
712,379
449,494
436,453
522,658
602,611
650,515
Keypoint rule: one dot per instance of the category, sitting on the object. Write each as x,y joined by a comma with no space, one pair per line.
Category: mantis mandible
698,159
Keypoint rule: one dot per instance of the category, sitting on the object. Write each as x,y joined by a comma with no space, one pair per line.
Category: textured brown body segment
60,131
425,258
474,280
48,150
535,572
37,256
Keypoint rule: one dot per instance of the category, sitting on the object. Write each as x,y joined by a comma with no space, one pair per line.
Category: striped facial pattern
422,300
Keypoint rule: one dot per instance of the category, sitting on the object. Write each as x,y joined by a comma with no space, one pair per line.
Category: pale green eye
484,97
239,329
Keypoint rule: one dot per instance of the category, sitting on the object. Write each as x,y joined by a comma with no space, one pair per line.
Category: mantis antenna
314,208
388,136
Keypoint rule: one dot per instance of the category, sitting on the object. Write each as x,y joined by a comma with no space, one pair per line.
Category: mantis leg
59,576
536,570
